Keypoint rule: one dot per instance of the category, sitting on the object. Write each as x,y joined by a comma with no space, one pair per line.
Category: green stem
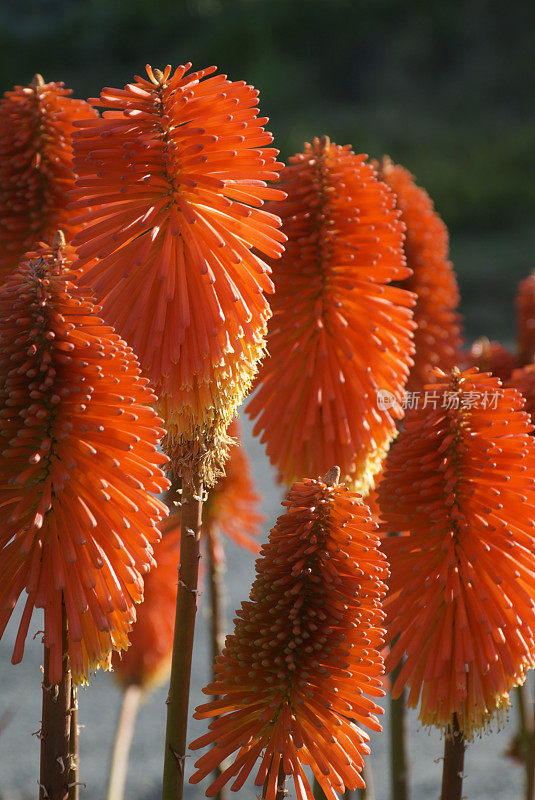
123,741
56,727
186,610
525,714
452,775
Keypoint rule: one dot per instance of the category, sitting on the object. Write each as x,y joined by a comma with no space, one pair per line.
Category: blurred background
446,89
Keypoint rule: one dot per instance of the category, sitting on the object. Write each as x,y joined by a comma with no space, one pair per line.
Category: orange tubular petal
304,649
79,519
437,338
462,591
176,172
339,331
36,171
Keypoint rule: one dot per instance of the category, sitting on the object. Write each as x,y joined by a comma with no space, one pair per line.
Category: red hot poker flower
79,464
36,172
523,379
147,660
304,650
437,338
339,332
462,591
233,502
175,175
492,357
525,304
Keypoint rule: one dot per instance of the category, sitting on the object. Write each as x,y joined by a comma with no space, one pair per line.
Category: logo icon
385,399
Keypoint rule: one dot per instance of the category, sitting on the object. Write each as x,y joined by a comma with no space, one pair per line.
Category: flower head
523,379
36,123
437,338
79,463
305,649
147,660
461,602
175,176
340,331
492,357
525,304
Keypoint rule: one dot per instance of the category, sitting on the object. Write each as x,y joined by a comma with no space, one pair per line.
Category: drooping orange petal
340,331
36,171
79,466
293,677
437,338
462,590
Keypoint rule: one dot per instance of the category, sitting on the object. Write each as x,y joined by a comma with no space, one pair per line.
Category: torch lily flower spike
525,304
175,175
437,338
340,332
79,464
461,481
36,172
292,678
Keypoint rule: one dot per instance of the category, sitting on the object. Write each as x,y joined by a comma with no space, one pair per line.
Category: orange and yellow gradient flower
175,175
437,338
36,172
79,466
340,331
305,651
462,590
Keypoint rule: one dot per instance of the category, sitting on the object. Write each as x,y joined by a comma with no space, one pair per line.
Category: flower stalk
186,610
123,741
56,726
452,775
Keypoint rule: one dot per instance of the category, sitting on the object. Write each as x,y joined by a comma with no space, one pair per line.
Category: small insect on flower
461,606
79,464
292,679
36,172
175,175
341,334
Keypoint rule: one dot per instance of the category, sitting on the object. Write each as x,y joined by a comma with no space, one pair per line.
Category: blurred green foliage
446,88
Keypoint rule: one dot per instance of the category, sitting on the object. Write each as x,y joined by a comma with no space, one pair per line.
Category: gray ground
488,773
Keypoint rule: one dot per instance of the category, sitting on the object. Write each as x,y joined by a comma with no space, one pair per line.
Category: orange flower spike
462,591
147,660
304,650
437,337
36,172
175,175
232,503
339,331
492,357
79,463
523,379
525,304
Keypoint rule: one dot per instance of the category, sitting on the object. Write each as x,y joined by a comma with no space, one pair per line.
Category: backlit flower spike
461,481
525,305
437,338
292,679
147,661
36,172
232,505
523,379
175,175
491,356
340,331
79,464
